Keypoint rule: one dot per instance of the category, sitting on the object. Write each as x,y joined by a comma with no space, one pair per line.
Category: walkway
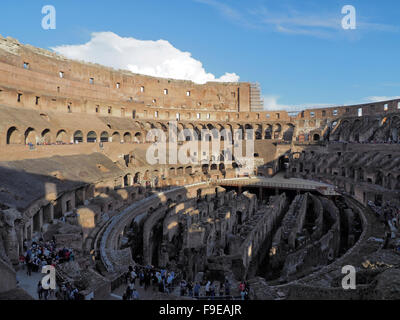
279,181
29,283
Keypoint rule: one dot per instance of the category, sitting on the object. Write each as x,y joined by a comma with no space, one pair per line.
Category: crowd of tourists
146,277
43,253
165,281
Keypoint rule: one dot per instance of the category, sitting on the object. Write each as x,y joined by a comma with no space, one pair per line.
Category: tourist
147,279
197,290
221,290
141,278
40,290
190,289
208,288
242,286
133,276
45,294
183,287
212,290
135,294
128,292
227,288
28,266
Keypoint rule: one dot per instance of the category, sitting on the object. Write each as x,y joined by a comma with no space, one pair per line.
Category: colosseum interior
323,194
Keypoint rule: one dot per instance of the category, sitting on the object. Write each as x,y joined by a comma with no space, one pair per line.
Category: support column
40,219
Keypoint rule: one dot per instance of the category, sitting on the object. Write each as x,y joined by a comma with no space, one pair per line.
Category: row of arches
32,136
190,131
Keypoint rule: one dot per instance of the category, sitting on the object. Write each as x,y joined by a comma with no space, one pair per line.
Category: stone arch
288,133
258,132
128,180
78,136
277,130
137,177
268,132
91,137
30,136
13,136
46,136
104,137
116,137
379,178
249,134
389,180
316,137
188,170
138,137
61,136
127,137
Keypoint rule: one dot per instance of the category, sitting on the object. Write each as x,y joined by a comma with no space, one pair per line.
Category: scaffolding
256,101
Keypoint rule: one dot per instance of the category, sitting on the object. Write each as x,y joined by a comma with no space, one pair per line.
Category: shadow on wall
30,202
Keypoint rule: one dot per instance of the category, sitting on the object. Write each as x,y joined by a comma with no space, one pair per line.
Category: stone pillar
40,213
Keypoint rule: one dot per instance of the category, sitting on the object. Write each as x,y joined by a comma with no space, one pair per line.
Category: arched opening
46,137
30,136
268,133
249,132
91,137
259,132
379,179
288,134
136,179
316,137
138,137
188,170
62,137
78,136
277,131
104,136
116,137
127,137
360,174
389,181
127,180
239,217
13,136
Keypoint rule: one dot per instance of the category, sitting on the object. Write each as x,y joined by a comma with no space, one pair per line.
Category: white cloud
306,22
380,98
154,58
271,104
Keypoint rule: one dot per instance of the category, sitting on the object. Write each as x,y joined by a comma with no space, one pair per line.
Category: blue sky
295,49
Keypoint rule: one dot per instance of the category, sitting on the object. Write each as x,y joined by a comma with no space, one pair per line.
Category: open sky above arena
297,50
